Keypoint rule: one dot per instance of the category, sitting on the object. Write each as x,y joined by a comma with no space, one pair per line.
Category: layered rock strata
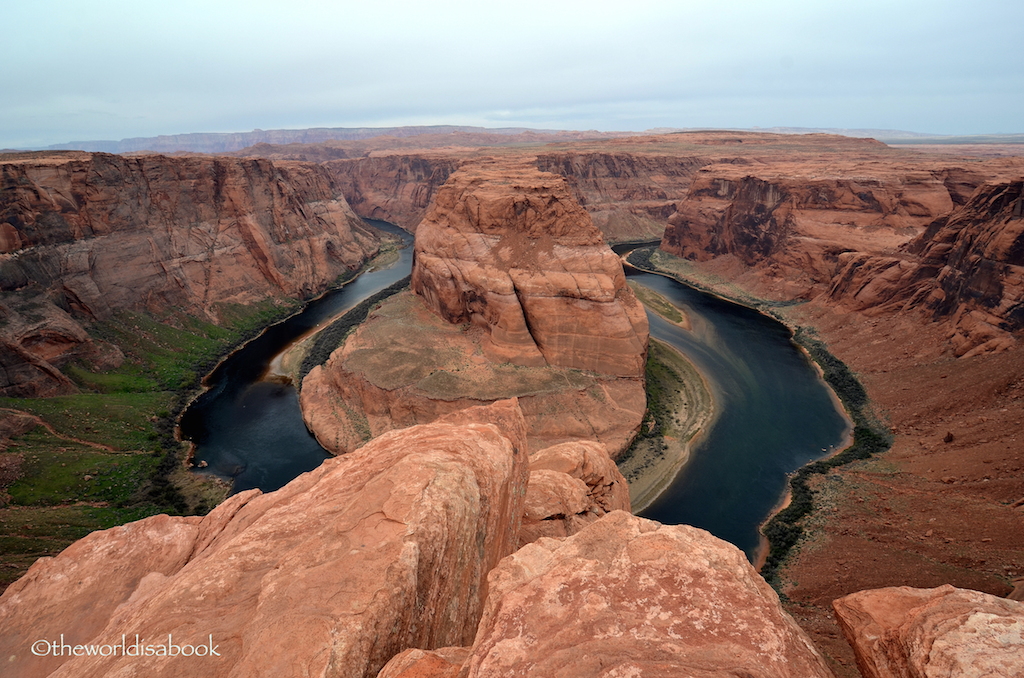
508,249
332,575
516,295
945,631
92,234
627,596
794,220
967,268
394,188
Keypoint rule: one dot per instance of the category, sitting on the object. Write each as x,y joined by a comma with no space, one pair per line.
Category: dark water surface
251,431
774,413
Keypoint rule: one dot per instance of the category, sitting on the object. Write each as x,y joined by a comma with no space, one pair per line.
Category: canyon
87,235
907,264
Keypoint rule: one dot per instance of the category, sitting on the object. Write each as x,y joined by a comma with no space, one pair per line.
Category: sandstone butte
516,294
83,236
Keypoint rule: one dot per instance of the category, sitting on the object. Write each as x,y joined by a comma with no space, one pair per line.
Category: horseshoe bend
472,521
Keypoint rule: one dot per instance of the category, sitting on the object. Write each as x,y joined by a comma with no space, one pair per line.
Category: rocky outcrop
393,188
966,268
508,249
332,575
404,365
517,295
945,631
91,234
571,486
627,596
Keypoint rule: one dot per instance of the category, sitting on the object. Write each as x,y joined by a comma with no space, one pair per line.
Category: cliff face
792,221
394,188
967,268
508,249
628,195
89,234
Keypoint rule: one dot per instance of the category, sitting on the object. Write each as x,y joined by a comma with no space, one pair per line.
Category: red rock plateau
516,295
84,235
907,264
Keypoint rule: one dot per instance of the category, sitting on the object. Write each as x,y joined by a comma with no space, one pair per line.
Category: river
775,414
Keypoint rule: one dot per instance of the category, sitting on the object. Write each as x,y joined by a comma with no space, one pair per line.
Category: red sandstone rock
98,233
507,248
347,565
571,486
627,596
967,268
445,662
405,366
395,188
902,631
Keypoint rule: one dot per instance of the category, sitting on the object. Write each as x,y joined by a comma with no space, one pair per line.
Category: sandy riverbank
680,402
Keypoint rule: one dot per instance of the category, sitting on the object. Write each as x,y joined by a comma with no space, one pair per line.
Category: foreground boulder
332,575
571,486
627,596
946,631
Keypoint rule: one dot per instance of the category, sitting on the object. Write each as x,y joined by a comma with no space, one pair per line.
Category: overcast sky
112,69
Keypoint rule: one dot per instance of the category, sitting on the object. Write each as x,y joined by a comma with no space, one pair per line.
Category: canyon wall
967,268
85,235
393,188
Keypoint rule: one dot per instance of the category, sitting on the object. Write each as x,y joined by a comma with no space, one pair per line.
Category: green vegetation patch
53,470
123,421
658,303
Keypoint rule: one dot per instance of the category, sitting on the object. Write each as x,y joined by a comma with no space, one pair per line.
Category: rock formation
373,552
91,234
508,249
795,219
527,301
945,631
967,267
571,486
628,597
394,188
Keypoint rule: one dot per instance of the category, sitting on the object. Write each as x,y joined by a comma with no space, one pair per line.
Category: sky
74,70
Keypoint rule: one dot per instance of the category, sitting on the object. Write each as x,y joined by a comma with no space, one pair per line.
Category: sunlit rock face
945,631
383,549
509,249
